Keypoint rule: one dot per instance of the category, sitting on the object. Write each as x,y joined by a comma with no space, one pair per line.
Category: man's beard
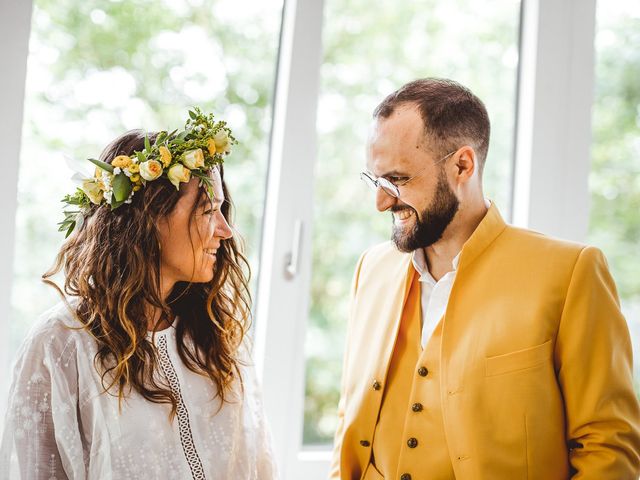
432,222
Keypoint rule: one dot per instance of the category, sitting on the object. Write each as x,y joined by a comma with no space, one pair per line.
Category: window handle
293,258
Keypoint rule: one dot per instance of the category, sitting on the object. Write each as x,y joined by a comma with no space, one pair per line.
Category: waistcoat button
423,372
412,442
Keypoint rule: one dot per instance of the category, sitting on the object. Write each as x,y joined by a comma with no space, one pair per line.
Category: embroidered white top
61,425
434,296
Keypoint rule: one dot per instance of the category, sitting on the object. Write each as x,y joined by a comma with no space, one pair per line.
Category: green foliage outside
98,68
615,167
368,53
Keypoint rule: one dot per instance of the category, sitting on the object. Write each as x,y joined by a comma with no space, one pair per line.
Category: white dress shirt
434,296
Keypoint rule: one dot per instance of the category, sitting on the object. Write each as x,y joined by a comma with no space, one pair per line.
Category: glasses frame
393,189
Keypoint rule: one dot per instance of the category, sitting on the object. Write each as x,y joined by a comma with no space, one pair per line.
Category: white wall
15,25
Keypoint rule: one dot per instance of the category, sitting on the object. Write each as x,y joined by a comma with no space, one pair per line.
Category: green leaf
147,144
141,157
192,115
115,205
70,230
122,187
103,165
162,136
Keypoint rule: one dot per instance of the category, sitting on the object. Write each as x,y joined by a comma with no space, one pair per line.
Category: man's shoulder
383,253
383,263
530,242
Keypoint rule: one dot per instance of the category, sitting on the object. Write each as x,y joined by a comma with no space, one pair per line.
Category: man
475,350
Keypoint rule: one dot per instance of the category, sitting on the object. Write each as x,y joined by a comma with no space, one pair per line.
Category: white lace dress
60,425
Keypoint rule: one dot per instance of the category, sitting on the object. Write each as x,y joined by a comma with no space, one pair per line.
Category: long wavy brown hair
111,263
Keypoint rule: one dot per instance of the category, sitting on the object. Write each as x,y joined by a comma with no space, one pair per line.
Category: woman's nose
222,228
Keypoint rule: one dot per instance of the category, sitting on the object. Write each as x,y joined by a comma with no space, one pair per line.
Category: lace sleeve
266,465
266,461
42,437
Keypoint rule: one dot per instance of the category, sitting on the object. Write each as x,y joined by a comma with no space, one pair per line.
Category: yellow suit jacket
536,361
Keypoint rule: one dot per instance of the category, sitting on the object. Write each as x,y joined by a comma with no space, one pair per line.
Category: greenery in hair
175,156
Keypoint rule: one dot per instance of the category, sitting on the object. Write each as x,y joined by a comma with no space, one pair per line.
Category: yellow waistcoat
535,363
410,430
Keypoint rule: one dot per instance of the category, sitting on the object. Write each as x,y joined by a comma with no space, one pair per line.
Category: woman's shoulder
56,326
52,345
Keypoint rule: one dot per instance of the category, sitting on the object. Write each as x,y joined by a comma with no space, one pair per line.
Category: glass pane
368,53
99,68
615,170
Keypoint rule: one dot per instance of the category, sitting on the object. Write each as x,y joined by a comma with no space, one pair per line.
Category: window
368,53
97,69
615,172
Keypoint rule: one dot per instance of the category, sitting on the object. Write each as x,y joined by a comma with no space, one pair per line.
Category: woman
144,371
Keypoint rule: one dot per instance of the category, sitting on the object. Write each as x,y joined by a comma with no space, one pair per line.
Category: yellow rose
93,191
211,145
133,168
121,161
165,156
179,173
150,170
193,159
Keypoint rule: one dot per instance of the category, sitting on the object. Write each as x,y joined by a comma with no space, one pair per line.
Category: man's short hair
452,115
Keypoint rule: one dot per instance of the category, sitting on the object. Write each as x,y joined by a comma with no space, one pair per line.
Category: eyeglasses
388,186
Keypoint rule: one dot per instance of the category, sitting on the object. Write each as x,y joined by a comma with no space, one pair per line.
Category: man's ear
466,163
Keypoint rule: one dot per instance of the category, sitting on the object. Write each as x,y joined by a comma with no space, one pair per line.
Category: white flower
193,159
117,171
92,190
221,138
150,170
106,179
179,173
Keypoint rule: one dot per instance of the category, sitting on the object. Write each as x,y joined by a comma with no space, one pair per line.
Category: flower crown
176,156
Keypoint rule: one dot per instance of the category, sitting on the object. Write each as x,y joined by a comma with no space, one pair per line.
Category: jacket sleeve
334,472
594,361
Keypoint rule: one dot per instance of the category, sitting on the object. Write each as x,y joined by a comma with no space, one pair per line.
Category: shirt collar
420,264
490,227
